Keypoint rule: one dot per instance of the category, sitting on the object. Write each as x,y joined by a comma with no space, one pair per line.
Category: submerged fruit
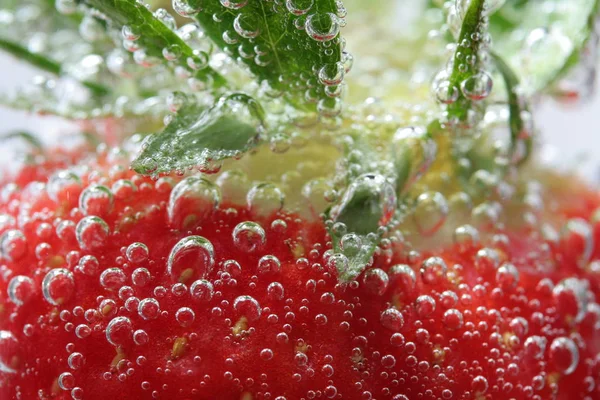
238,305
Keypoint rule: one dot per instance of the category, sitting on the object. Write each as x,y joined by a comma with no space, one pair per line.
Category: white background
569,132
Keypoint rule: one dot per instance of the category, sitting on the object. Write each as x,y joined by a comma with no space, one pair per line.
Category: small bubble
332,74
192,201
266,354
425,305
76,360
140,277
58,286
137,252
477,87
89,265
246,25
322,27
20,289
234,4
392,319
265,199
248,307
96,200
268,264
66,381
507,276
453,319
249,236
403,277
376,281
202,290
91,232
113,278
275,291
13,245
191,258
564,354
185,316
430,212
433,270
299,7
119,331
140,337
479,385
186,8
149,308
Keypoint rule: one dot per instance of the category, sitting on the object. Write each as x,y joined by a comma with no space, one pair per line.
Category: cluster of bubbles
198,279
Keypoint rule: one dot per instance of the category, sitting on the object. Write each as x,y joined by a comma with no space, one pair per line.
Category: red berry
163,289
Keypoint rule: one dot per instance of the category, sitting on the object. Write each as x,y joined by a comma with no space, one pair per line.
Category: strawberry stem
469,44
517,107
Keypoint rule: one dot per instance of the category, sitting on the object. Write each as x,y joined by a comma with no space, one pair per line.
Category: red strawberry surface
114,285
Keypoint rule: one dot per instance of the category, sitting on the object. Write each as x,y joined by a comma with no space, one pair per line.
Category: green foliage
293,45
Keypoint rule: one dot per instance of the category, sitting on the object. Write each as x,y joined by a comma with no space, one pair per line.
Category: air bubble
246,25
507,276
185,316
58,286
376,281
332,74
119,331
265,199
20,289
137,252
268,264
96,200
202,290
76,360
275,291
234,4
149,308
91,232
430,212
564,354
299,7
392,319
403,277
453,319
477,87
322,27
191,258
425,306
140,277
66,381
248,307
433,270
112,278
192,201
186,8
13,245
571,298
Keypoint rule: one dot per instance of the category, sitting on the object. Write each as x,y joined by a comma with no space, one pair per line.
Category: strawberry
117,285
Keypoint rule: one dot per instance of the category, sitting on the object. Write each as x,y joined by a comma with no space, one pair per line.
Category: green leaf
46,64
198,136
350,263
466,77
154,35
28,137
517,108
368,203
293,45
543,43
